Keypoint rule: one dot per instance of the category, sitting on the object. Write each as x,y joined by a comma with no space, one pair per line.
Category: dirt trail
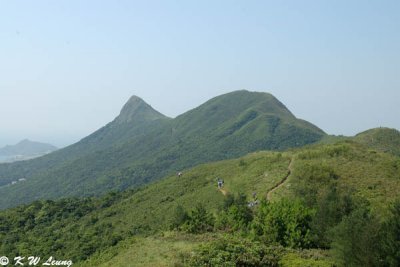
282,182
223,191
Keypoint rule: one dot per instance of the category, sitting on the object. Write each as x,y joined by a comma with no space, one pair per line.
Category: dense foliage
198,221
236,214
49,228
235,251
285,222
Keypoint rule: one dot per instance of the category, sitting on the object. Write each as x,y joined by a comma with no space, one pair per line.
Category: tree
284,222
199,220
356,239
234,251
236,214
332,206
390,244
179,217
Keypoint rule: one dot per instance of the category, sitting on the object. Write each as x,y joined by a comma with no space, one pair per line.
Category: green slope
79,229
381,139
141,145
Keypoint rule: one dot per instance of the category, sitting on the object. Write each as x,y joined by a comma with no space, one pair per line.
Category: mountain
137,111
25,149
141,145
105,231
382,139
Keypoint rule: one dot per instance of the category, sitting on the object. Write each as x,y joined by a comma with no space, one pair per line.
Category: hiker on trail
220,183
251,204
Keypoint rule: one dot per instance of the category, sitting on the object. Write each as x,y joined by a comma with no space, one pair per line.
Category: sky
68,66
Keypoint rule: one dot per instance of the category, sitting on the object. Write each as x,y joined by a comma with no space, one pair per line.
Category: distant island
24,150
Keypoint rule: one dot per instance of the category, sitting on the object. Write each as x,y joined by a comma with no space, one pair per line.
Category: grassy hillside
141,145
109,228
381,139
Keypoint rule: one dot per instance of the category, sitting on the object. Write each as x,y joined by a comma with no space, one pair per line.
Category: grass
382,139
371,174
160,250
309,258
170,248
256,172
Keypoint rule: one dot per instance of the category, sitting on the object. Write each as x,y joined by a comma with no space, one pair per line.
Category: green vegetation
284,222
331,203
338,205
234,251
235,215
103,223
168,249
198,221
390,232
356,240
381,139
141,146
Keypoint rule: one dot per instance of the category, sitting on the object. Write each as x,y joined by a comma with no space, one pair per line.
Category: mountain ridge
141,145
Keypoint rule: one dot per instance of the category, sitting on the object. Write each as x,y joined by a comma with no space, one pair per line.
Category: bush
310,179
235,251
236,214
179,217
285,222
332,206
199,221
356,239
390,244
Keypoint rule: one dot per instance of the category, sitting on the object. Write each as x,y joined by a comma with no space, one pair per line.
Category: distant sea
8,159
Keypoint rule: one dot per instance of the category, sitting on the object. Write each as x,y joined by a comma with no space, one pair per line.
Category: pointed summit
137,110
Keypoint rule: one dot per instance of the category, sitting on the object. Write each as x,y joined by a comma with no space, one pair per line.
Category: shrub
234,251
332,206
310,179
390,244
179,217
199,221
356,239
236,214
285,222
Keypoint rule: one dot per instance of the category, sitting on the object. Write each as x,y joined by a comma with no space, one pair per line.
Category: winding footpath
273,189
282,182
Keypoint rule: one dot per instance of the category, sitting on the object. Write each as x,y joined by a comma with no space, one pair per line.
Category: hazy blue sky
67,67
